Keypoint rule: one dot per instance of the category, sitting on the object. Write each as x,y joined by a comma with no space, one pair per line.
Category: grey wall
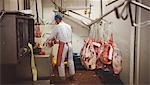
144,58
79,33
1,4
11,5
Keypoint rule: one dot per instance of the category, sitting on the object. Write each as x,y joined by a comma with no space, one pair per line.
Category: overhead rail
127,5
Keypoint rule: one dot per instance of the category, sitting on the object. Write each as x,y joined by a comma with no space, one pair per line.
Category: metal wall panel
142,67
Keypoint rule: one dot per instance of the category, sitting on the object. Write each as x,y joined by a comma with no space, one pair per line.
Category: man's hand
49,43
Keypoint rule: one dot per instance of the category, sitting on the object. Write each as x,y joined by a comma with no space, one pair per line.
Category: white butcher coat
63,32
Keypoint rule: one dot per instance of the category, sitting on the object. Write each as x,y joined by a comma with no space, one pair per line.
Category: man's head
58,19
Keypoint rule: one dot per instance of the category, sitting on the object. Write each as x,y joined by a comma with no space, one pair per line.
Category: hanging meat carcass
117,61
106,50
37,24
88,55
38,32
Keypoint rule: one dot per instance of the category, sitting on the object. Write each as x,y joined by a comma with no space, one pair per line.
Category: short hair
58,17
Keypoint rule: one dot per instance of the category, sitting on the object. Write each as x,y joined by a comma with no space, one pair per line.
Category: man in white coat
63,33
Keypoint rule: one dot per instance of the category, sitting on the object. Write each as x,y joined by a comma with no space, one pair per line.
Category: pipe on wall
18,5
136,46
3,5
26,4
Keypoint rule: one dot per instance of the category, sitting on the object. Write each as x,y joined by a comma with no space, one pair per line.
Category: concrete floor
82,77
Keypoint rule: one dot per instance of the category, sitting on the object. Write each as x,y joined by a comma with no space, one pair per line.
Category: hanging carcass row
99,54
